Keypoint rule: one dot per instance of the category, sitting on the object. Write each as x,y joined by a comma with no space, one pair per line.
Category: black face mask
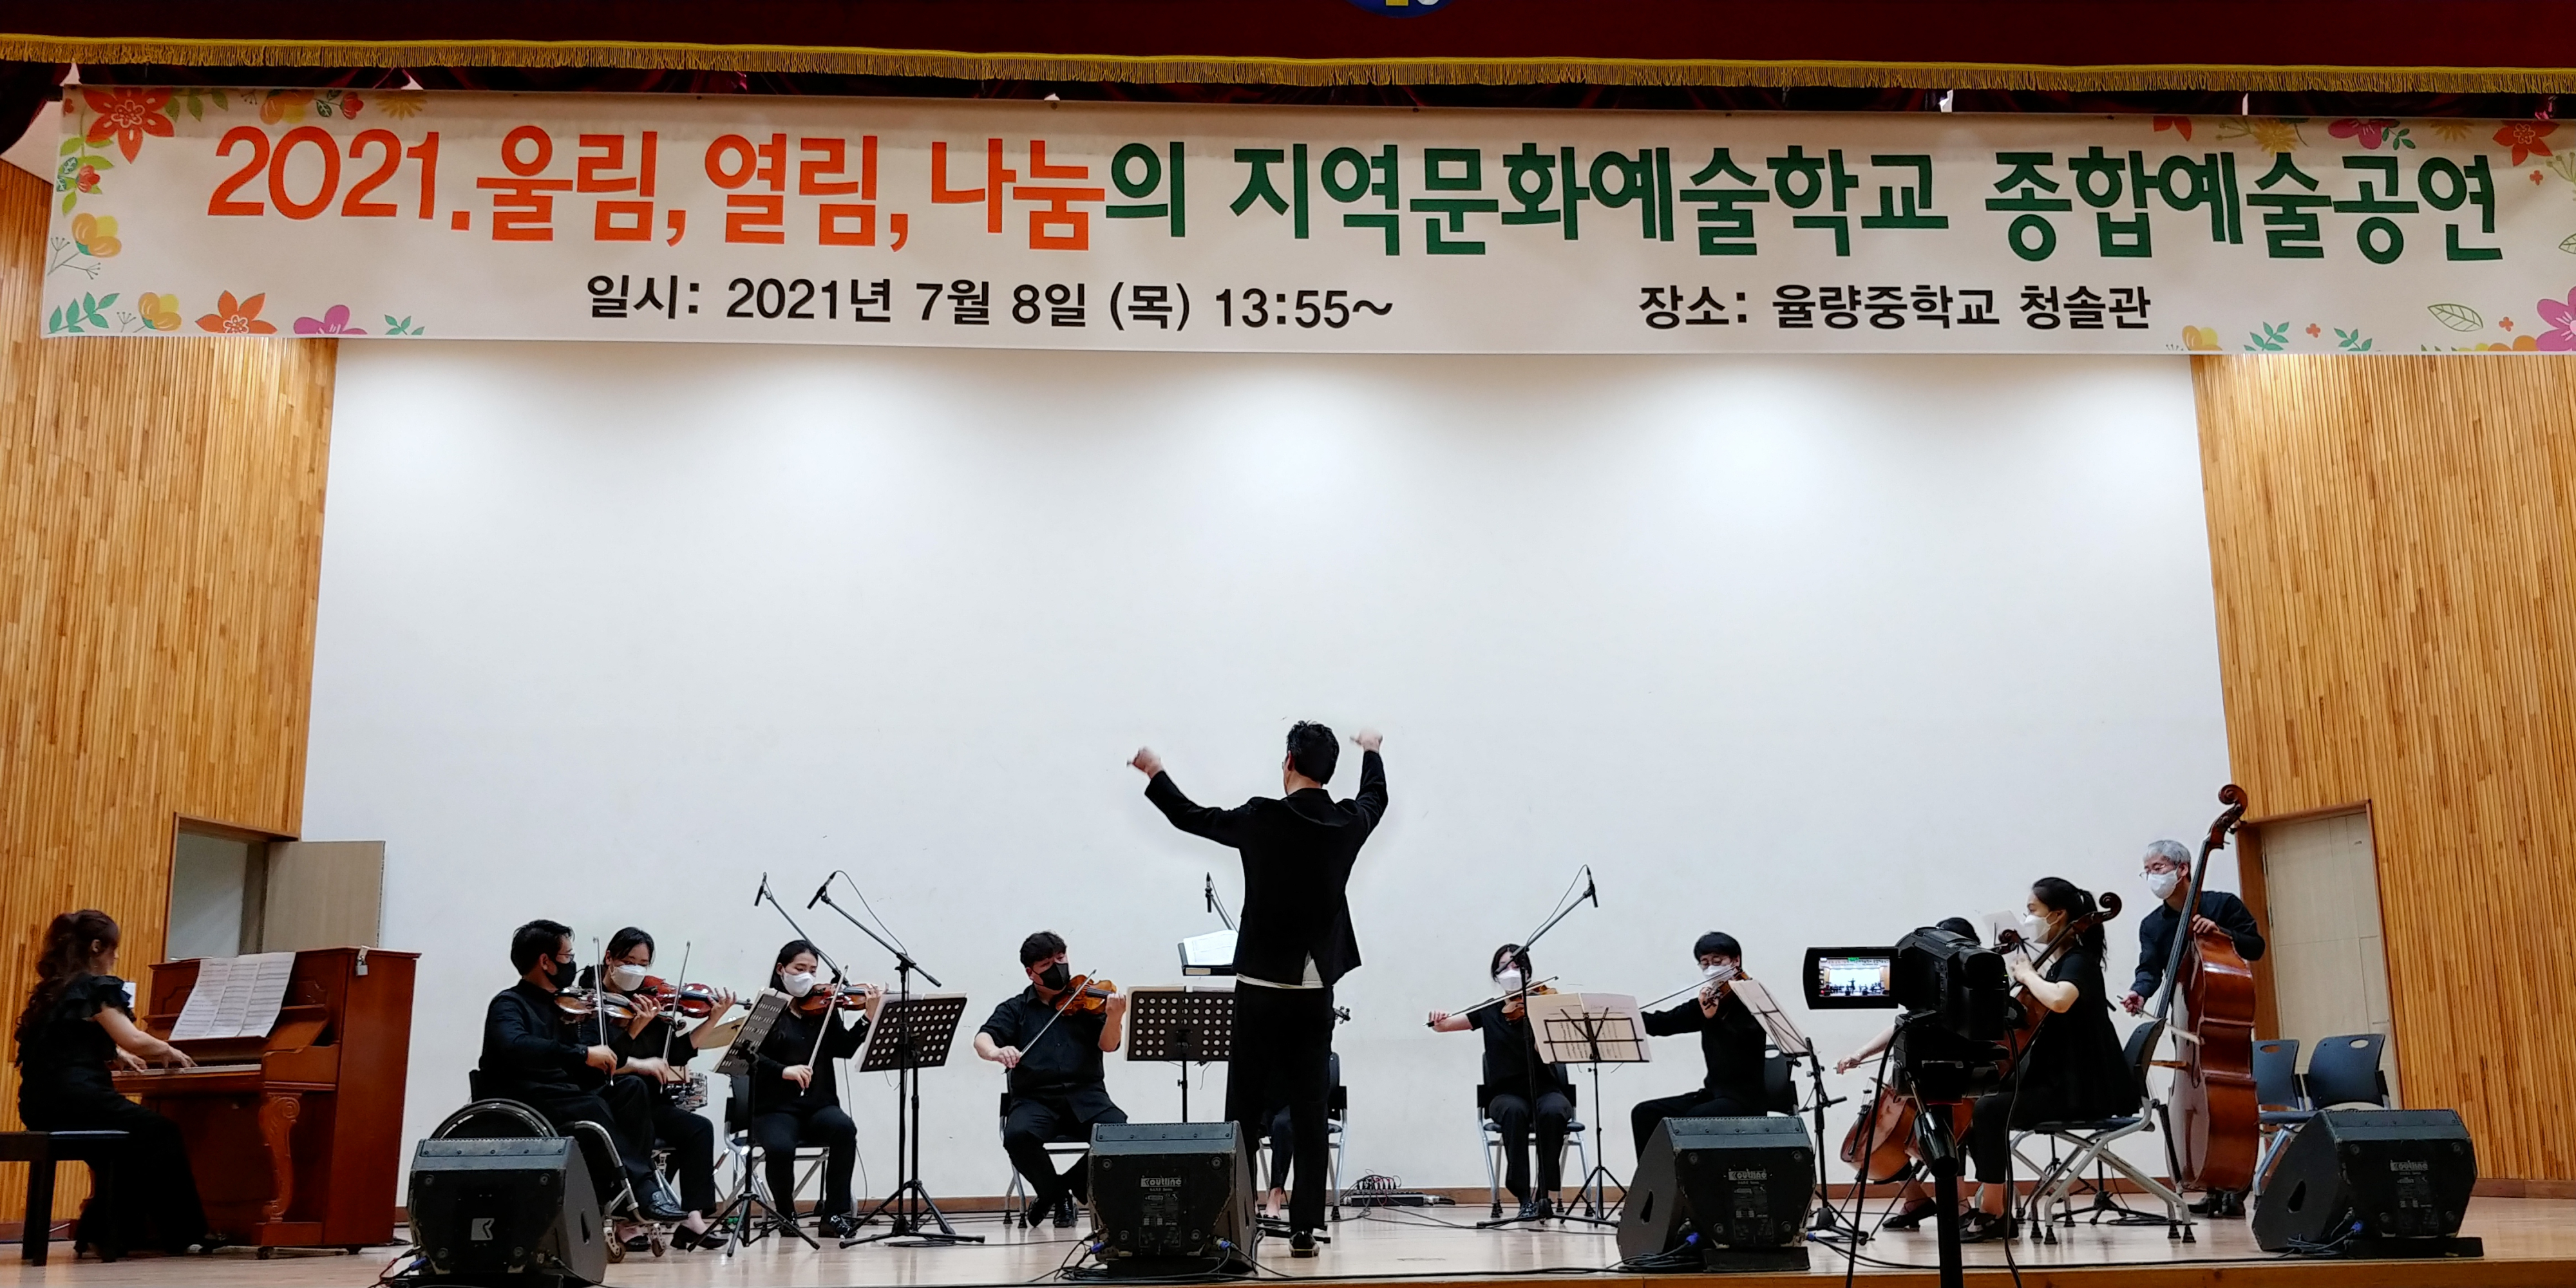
561,978
1055,977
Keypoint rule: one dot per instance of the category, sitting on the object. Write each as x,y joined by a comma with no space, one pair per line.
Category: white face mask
625,978
797,983
2162,883
1720,971
1509,980
2034,930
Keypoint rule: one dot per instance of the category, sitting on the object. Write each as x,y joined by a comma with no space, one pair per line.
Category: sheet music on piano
235,997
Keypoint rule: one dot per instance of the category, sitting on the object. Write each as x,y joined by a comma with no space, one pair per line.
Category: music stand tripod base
911,1034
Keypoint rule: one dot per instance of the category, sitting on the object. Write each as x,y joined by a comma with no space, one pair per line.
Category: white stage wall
1811,650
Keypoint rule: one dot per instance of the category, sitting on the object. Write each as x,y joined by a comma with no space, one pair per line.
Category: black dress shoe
1536,1207
1913,1217
713,1239
1301,1244
1984,1227
840,1225
654,1205
1064,1213
2220,1203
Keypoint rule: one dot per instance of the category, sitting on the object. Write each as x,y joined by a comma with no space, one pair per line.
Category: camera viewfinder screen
1850,978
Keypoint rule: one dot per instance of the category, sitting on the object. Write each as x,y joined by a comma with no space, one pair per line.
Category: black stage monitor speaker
2371,1182
1736,1188
514,1211
1171,1199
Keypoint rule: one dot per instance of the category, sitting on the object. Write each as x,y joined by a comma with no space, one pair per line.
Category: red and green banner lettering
190,211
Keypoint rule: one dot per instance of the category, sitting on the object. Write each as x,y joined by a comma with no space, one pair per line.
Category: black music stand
1590,1029
1183,1026
758,1217
911,1034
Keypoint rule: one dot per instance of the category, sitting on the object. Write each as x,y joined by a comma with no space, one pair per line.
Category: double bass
2213,1090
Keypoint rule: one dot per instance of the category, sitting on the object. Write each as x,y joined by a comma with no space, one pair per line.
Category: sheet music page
263,978
1784,1032
197,1016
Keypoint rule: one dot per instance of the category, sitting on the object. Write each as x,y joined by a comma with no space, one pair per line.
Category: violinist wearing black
76,1023
2168,870
2074,1070
653,1054
795,1099
1294,941
1731,1042
1511,1060
531,1054
1052,1045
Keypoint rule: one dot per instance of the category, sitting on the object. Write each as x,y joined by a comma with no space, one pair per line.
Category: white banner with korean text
1120,226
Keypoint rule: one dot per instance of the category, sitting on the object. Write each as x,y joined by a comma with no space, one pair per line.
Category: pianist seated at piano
77,1022
534,1055
653,1052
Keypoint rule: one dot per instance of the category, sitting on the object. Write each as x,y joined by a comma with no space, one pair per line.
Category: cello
2213,1087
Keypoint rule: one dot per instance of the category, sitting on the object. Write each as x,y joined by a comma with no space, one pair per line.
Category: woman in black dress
653,1052
77,1022
2074,1069
795,1099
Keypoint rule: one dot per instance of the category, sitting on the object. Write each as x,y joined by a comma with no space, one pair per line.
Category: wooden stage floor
2528,1241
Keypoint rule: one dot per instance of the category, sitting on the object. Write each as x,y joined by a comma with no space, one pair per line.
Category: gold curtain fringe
957,65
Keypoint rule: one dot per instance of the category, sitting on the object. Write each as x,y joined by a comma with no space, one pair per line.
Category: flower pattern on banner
401,103
160,312
2370,132
2178,124
2201,339
127,115
2561,317
2528,139
284,105
237,317
334,321
96,235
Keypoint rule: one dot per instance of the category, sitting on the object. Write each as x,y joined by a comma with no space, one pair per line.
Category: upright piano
295,1137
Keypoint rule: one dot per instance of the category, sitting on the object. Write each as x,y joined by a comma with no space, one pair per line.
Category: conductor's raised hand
1146,762
1368,739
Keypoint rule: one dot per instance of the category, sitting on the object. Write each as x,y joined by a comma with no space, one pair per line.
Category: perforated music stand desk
1592,1029
924,1025
1180,1025
754,1030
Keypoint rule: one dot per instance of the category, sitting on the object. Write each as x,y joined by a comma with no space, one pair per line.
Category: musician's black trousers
692,1142
1283,1051
1038,1118
155,1202
1990,1133
625,1108
780,1131
1511,1114
1702,1103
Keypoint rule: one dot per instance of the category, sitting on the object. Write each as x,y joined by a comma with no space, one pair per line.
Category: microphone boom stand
909,1208
1529,1074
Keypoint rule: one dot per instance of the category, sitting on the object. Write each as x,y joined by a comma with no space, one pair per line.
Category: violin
697,1001
1086,995
1539,989
582,1004
827,997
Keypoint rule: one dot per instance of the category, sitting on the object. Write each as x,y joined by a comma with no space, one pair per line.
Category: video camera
1956,999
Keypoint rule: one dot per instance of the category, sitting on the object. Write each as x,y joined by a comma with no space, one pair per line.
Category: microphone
820,891
1590,891
1209,891
764,890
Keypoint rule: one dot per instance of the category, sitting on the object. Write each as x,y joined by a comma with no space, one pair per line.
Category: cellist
2074,1069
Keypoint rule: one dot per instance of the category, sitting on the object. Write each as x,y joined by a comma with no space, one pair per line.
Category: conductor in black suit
1293,943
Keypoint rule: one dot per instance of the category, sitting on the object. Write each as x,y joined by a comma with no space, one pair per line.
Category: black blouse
69,1050
2076,1066
791,1042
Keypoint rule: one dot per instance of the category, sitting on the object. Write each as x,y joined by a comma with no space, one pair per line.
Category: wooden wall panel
160,552
2393,542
